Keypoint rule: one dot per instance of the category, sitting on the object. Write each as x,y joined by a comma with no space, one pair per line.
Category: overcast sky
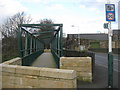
87,15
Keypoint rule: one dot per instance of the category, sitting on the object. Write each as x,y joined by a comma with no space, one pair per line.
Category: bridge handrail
28,45
31,41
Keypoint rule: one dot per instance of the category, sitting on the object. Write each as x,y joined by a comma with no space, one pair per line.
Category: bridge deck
45,60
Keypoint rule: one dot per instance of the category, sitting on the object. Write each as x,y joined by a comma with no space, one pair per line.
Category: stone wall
83,66
15,61
16,76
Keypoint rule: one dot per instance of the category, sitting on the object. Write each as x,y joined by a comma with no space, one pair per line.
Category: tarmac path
45,60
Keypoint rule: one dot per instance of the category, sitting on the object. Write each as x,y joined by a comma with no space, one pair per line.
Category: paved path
45,60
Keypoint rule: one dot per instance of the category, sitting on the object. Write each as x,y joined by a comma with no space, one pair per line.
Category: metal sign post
110,16
110,58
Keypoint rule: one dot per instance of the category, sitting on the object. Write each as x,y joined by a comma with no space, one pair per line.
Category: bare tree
10,27
9,31
46,21
47,36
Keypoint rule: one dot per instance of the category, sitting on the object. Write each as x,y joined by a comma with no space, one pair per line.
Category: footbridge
32,45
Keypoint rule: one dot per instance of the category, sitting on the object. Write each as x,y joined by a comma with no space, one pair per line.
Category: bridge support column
61,40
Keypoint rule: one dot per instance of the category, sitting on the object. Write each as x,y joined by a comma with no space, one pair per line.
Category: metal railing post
26,44
61,40
31,41
19,42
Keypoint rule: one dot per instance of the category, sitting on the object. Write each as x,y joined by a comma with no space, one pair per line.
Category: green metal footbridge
31,44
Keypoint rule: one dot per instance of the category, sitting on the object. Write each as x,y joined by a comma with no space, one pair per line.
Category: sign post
110,16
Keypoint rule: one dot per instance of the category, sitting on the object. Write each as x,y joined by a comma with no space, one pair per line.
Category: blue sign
110,12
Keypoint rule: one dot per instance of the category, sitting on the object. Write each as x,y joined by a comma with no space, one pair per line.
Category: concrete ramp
45,60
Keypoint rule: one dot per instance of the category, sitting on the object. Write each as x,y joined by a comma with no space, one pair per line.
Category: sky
87,16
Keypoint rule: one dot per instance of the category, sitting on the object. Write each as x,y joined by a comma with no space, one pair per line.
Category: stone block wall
16,76
83,66
15,61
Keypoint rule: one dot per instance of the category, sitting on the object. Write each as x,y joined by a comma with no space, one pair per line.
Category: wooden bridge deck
45,60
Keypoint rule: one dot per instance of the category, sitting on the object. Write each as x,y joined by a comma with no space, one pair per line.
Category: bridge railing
32,44
30,47
57,45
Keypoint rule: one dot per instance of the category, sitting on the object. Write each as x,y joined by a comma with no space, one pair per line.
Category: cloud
86,24
10,7
107,1
31,1
55,6
89,15
45,2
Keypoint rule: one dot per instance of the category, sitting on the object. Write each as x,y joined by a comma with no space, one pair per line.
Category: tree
46,21
10,27
9,31
46,28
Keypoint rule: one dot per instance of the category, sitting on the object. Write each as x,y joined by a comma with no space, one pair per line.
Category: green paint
61,39
110,70
19,42
44,32
26,44
34,46
31,45
28,60
30,25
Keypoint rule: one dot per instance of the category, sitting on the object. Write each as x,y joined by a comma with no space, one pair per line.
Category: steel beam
44,32
30,25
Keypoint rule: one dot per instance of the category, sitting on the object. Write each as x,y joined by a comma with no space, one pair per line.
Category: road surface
102,60
100,79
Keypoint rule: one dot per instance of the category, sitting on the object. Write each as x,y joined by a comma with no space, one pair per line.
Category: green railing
31,45
56,45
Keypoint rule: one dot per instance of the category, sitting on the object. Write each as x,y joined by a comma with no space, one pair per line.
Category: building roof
116,32
98,36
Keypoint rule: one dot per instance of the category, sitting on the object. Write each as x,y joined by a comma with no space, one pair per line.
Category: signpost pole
110,58
110,16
